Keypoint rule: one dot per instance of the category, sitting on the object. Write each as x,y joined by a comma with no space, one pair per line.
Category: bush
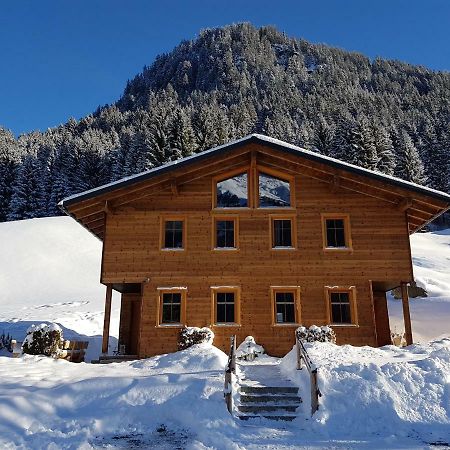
316,334
249,349
190,336
6,342
44,339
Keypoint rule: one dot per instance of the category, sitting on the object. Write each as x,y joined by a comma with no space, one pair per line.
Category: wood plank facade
378,216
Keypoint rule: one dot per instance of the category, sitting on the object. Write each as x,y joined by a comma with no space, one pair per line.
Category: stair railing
304,359
230,370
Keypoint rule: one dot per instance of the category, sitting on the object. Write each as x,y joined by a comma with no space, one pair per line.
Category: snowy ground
372,398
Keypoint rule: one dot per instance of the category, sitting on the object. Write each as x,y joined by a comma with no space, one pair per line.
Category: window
173,233
273,192
283,232
285,305
336,232
171,306
225,305
225,233
341,305
232,192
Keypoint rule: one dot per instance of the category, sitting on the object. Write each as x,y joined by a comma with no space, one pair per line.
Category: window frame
225,176
276,174
162,233
237,305
221,218
297,305
171,290
347,232
351,291
293,219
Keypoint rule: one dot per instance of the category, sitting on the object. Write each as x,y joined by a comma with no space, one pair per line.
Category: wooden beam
174,186
432,218
404,204
335,184
107,318
406,314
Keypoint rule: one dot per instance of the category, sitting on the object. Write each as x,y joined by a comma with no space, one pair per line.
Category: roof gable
331,167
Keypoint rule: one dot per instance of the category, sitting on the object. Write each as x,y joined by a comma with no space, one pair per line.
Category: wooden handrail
303,357
230,369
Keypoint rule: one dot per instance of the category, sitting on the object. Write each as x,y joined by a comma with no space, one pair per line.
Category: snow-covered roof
253,138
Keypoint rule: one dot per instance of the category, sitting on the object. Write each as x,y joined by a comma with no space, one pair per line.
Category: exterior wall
132,254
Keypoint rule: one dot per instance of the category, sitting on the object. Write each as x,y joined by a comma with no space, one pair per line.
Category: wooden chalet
255,237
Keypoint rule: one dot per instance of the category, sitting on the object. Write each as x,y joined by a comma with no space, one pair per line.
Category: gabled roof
442,198
252,138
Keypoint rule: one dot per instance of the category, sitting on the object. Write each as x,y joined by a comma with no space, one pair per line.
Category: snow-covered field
372,398
50,271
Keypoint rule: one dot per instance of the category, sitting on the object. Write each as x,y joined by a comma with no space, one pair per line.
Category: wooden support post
406,315
107,319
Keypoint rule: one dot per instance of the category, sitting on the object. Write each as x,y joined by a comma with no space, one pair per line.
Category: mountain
228,82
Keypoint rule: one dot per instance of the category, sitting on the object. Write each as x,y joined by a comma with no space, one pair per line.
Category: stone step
284,417
117,357
263,408
275,398
261,390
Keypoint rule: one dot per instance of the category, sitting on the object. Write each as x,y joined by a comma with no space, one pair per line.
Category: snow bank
388,392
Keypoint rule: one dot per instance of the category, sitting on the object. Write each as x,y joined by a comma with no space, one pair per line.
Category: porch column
107,318
406,315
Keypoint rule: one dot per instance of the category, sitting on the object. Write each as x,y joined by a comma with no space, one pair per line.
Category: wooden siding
380,252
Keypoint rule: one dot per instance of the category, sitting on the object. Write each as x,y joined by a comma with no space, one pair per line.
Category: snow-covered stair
265,393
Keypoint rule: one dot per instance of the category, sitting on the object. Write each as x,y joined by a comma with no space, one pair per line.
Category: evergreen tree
410,166
25,201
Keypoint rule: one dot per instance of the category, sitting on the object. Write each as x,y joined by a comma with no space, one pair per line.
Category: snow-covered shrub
44,339
249,349
316,334
190,336
6,342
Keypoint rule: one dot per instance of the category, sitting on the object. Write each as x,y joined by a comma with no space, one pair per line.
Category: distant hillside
229,82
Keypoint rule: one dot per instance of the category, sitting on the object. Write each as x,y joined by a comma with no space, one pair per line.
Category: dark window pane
229,313
173,234
285,307
225,307
340,307
221,313
233,192
335,233
273,192
282,233
171,308
225,233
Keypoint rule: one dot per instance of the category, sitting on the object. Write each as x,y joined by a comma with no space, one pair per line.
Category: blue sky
63,59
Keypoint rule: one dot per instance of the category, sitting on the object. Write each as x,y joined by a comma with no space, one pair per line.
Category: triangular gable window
273,191
233,192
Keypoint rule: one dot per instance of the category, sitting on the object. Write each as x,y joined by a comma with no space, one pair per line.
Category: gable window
273,191
232,192
285,305
225,233
336,231
171,306
283,232
341,305
173,234
225,305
